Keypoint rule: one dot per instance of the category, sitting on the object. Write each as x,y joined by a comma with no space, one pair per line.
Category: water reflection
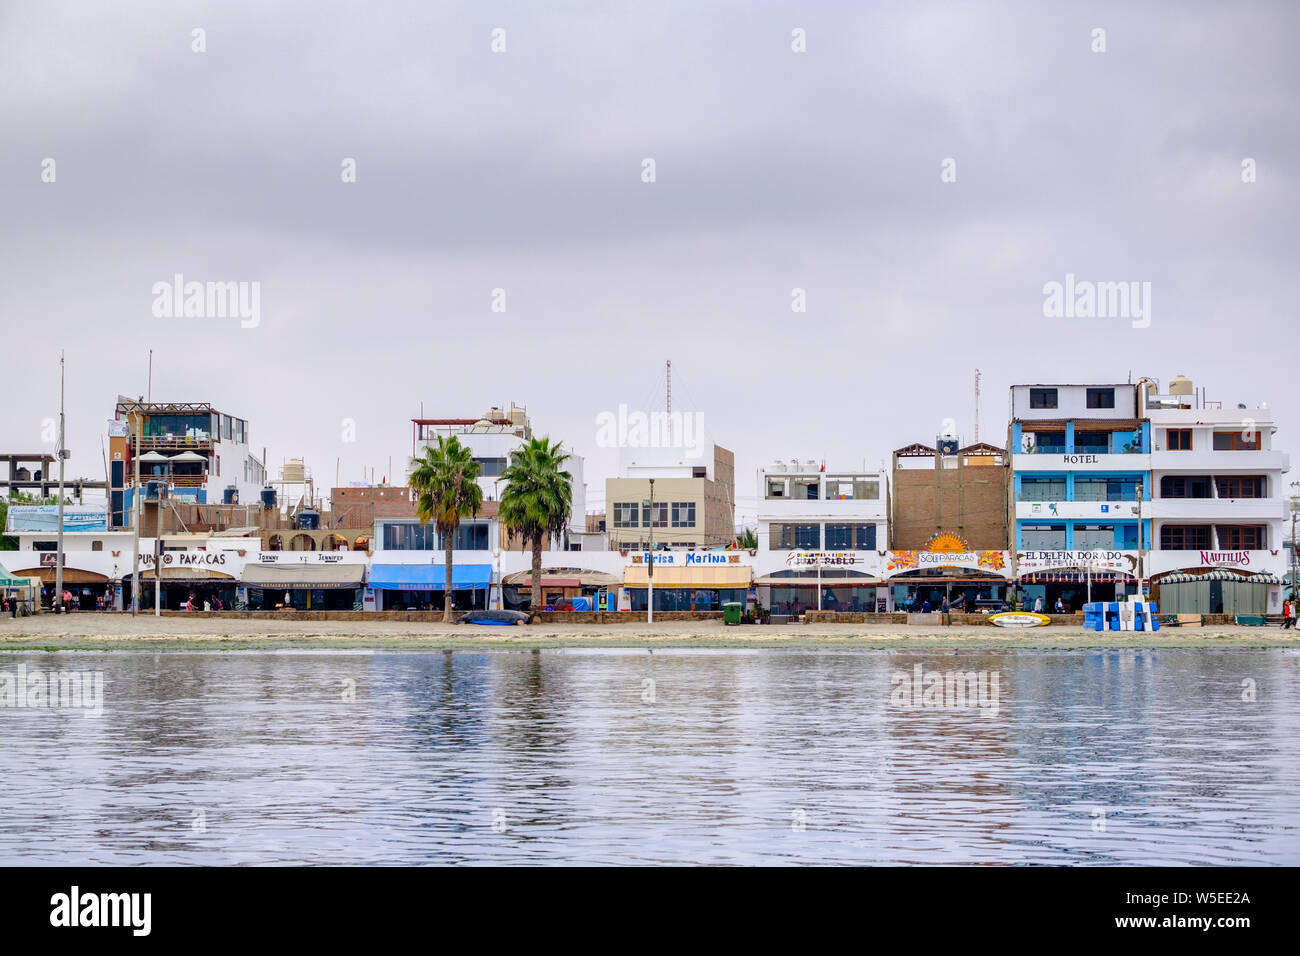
626,756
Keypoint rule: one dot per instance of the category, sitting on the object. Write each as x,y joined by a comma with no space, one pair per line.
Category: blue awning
430,577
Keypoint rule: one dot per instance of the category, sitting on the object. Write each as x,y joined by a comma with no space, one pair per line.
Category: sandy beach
122,632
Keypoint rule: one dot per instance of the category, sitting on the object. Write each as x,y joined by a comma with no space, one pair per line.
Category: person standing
1038,604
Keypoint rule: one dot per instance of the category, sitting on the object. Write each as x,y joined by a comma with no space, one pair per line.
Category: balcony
1216,509
1208,461
164,442
1099,511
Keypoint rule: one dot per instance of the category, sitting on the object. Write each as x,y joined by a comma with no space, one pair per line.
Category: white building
199,453
822,538
1219,503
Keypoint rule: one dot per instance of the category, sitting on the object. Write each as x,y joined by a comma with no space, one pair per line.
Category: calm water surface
1093,757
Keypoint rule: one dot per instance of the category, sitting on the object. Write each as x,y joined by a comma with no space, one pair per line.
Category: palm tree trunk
536,599
448,598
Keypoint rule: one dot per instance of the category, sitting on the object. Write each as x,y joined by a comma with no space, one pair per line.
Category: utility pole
650,568
977,406
138,421
1140,541
63,457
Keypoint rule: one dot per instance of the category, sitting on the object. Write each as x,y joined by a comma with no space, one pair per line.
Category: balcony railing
162,441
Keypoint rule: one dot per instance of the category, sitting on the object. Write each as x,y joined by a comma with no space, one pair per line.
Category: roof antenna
670,386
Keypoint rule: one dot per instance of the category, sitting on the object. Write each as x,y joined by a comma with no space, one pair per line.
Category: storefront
319,587
789,593
185,588
1216,591
1075,577
419,587
20,596
576,587
690,588
89,589
963,579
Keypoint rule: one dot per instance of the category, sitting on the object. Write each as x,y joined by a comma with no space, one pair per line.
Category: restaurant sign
992,561
1030,562
827,559
681,559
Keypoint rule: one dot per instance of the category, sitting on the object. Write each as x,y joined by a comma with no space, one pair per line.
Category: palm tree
446,489
538,500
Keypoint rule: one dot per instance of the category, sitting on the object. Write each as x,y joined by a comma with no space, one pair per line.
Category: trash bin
731,612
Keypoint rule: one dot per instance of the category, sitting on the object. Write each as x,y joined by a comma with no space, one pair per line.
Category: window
1101,398
1042,489
1048,443
226,430
1184,537
1185,486
1043,537
1042,398
1088,537
44,546
239,430
627,514
1241,537
683,514
1092,442
699,471
1241,486
1178,439
807,489
1105,489
99,546
1236,441
851,537
413,536
490,467
776,488
783,537
660,509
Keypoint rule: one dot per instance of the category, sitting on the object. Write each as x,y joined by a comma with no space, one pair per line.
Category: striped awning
727,576
1218,574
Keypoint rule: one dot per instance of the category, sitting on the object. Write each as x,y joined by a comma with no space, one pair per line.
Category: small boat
1019,619
494,617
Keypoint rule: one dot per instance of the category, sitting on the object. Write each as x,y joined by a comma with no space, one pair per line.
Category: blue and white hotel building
1081,454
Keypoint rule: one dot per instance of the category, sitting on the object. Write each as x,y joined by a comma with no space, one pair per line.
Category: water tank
294,471
268,498
494,414
307,520
518,417
230,496
1180,385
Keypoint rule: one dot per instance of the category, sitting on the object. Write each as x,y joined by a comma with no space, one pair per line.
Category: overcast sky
523,171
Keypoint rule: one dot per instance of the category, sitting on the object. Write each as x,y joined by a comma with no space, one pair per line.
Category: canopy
1219,574
47,575
572,578
727,576
186,574
152,456
312,576
8,580
430,577
187,456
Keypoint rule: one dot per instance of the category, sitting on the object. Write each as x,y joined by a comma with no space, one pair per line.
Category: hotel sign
301,557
